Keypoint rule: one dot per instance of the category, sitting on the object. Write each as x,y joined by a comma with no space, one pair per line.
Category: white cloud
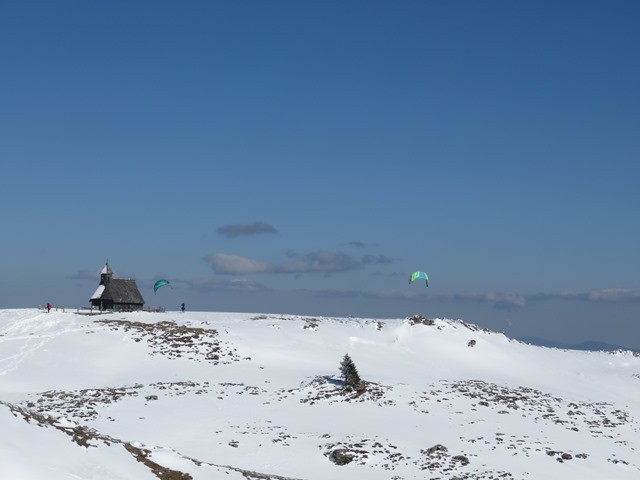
610,295
207,285
235,265
498,299
319,261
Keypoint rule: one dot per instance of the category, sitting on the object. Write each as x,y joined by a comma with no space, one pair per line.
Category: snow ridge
259,396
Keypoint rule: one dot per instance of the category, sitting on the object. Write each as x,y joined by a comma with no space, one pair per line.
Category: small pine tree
349,372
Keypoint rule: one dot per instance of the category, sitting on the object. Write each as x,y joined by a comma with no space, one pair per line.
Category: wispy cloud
237,230
85,275
319,261
208,285
500,300
381,294
226,264
610,295
508,300
378,273
376,260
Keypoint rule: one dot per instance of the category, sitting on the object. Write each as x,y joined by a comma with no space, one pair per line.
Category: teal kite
417,276
160,283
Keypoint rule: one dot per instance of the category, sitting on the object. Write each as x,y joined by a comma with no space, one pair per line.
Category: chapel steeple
106,274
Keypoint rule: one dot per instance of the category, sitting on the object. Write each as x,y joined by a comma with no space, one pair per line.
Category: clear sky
307,156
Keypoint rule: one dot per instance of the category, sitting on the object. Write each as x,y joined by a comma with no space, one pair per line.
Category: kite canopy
160,283
418,276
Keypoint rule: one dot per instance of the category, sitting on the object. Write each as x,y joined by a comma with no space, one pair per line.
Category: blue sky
306,157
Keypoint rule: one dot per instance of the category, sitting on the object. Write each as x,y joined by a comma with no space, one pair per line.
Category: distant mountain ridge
590,345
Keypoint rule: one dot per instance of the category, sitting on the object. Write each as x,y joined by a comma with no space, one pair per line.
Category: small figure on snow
49,306
183,308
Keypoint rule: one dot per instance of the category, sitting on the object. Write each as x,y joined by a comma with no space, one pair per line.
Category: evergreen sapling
349,373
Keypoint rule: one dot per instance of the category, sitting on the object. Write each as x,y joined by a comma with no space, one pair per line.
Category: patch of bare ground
599,418
377,453
90,438
331,390
381,454
87,437
85,404
313,323
172,340
142,456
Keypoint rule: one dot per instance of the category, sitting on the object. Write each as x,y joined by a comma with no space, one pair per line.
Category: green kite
417,276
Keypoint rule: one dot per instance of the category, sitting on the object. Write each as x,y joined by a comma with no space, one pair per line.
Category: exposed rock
415,319
436,448
461,458
340,456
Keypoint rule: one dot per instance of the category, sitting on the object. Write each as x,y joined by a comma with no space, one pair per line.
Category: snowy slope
227,395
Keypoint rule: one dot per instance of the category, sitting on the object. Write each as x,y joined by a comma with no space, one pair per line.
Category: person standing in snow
182,308
48,307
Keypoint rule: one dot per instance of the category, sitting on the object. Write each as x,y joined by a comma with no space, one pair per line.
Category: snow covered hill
258,396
